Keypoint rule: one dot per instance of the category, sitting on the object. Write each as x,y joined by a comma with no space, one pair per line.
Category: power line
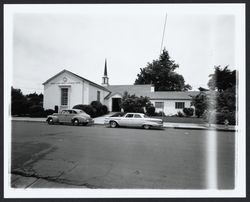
163,32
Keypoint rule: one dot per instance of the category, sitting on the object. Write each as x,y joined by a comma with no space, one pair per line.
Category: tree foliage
200,103
132,103
19,104
222,79
27,105
221,99
161,73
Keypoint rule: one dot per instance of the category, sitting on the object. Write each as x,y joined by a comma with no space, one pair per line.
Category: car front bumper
89,121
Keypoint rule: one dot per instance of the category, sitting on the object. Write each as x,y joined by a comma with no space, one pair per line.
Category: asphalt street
100,157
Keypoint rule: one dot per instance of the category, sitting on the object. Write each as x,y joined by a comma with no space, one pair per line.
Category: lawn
173,119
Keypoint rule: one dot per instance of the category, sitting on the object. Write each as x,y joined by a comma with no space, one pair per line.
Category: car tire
75,122
146,127
113,124
50,121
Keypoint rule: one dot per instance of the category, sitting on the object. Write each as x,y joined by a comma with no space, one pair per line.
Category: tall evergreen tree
161,73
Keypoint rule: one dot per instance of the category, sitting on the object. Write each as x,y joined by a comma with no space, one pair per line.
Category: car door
137,120
61,115
69,116
126,120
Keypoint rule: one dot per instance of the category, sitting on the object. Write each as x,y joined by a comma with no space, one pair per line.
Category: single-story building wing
67,89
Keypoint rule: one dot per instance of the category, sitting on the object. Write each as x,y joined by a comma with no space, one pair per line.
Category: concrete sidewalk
100,121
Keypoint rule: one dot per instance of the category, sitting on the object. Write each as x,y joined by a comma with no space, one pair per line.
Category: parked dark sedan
74,116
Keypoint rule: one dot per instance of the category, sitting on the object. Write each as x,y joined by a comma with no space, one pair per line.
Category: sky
48,40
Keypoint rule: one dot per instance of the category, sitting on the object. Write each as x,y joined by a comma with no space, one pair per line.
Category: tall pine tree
161,73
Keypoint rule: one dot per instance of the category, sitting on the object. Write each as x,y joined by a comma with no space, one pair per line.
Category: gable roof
82,78
172,95
139,90
145,90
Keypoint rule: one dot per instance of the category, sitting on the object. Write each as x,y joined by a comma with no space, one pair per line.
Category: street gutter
191,127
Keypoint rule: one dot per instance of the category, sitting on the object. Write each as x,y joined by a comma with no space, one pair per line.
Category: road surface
100,157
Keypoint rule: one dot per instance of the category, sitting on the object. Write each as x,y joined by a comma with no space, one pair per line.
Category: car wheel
50,121
75,122
146,126
113,124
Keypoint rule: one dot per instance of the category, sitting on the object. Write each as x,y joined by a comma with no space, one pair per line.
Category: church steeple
105,68
105,78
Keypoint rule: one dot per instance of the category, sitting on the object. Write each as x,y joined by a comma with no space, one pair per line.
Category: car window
74,112
65,112
137,116
129,115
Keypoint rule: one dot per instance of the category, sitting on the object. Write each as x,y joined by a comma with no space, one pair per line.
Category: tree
219,102
222,79
132,103
161,73
19,104
200,103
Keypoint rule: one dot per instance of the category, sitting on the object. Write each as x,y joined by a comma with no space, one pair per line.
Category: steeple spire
105,78
105,68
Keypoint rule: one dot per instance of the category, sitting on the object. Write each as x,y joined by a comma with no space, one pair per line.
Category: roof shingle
145,90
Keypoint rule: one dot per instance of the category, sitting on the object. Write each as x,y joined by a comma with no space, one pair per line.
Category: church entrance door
116,104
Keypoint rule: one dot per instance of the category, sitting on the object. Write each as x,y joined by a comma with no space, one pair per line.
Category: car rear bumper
89,122
157,125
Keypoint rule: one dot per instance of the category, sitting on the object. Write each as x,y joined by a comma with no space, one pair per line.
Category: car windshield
145,116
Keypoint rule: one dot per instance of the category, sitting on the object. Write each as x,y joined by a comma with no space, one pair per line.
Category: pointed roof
82,78
105,68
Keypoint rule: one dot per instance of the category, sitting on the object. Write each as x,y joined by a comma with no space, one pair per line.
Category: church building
67,89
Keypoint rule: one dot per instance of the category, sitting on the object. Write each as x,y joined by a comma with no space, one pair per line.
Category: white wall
52,91
169,106
79,92
93,94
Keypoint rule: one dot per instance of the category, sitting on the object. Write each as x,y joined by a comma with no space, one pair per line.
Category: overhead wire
162,40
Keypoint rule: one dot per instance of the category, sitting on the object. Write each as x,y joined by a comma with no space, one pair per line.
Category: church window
64,96
98,95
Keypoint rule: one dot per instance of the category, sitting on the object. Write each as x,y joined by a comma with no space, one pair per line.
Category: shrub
160,113
150,110
19,107
98,108
36,111
133,103
118,114
188,111
104,109
48,112
180,114
220,117
86,108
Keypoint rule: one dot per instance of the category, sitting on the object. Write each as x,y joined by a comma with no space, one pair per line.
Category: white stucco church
67,89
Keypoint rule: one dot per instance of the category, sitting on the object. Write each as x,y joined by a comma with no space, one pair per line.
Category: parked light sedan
74,116
134,120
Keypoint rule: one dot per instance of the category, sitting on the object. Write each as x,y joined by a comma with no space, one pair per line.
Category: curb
211,129
37,121
173,127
